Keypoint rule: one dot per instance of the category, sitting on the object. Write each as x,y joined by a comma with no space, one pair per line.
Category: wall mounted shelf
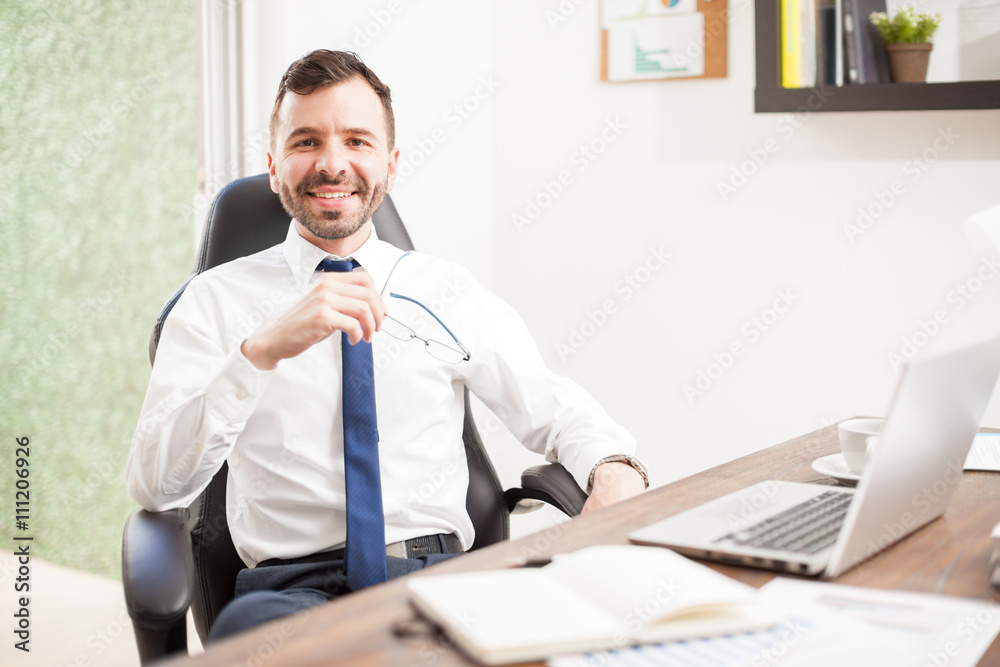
770,97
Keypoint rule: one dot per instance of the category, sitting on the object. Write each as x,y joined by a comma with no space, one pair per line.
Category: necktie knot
337,265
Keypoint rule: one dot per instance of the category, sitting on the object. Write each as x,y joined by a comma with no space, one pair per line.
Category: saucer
834,466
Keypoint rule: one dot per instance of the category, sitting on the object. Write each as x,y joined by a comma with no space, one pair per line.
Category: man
274,403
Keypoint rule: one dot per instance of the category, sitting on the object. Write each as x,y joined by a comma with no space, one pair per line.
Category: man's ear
272,172
393,162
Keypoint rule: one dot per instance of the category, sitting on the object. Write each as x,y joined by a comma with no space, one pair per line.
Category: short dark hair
322,68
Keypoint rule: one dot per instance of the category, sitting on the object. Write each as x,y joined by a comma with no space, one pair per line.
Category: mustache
319,180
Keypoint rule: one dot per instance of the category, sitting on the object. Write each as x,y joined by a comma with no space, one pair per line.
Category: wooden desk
949,556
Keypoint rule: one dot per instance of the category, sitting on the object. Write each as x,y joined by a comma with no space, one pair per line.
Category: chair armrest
157,568
550,483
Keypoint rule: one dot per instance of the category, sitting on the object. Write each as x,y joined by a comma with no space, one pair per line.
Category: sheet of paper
893,627
754,648
657,48
829,625
985,453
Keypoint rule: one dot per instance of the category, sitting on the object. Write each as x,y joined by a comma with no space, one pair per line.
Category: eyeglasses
435,348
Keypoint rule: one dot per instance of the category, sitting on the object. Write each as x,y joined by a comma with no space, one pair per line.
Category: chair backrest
246,217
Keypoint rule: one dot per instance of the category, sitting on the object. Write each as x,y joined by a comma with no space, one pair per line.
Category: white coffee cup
857,438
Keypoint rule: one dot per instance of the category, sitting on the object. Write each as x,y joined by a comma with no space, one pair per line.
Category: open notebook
599,598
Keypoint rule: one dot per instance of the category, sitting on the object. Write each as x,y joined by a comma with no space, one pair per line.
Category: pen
521,561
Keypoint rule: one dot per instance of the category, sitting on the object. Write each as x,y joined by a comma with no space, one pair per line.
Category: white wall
668,147
780,228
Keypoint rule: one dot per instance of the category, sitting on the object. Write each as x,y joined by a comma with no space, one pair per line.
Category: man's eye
357,142
307,142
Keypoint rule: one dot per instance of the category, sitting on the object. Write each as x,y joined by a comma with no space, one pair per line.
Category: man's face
331,165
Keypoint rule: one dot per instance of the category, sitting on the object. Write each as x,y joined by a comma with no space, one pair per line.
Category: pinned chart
663,39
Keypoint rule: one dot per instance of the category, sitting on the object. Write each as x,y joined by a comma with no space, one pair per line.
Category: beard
332,225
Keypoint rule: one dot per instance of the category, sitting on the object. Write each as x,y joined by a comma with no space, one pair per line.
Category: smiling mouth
331,195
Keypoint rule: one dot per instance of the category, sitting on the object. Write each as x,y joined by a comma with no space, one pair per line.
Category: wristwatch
619,458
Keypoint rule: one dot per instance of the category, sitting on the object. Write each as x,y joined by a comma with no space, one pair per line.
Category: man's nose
332,160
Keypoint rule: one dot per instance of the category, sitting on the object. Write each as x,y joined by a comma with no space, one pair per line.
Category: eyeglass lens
436,349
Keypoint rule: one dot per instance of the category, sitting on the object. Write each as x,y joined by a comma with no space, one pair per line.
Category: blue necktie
364,558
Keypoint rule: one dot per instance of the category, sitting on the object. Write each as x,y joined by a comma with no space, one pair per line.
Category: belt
412,548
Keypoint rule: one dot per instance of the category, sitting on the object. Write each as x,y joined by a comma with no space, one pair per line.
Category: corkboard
716,37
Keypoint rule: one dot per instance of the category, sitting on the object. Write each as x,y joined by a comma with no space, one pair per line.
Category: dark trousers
269,592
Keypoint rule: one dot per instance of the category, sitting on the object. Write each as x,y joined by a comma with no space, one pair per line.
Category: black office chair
185,557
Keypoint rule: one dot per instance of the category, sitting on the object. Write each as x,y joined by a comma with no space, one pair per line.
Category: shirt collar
375,256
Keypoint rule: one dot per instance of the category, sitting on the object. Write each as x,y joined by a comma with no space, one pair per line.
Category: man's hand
614,482
336,302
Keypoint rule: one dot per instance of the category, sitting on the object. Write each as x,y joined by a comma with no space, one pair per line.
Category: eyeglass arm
465,350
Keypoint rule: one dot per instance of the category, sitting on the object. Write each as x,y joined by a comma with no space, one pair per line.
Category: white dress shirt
282,430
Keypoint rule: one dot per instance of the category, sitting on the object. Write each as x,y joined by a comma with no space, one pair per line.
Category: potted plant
907,37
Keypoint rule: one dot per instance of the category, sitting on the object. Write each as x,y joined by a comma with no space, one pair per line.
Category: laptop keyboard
806,528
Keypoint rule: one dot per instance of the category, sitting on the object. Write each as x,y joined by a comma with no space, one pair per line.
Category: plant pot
908,62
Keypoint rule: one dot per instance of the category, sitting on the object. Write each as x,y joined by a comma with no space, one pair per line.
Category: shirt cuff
232,394
229,399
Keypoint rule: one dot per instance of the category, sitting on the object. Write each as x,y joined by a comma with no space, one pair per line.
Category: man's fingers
354,294
353,314
349,325
344,302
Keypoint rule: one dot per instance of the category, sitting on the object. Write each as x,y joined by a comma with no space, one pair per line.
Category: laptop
822,530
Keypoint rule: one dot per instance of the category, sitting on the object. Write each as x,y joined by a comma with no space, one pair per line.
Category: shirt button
242,394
